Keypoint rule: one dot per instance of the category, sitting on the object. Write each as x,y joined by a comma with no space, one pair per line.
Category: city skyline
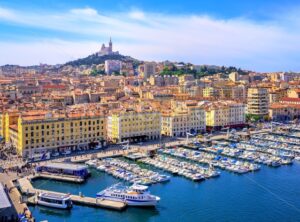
258,36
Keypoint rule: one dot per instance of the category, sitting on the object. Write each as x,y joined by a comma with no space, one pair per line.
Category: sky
258,35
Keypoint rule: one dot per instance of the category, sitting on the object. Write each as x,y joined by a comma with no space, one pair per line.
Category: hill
95,59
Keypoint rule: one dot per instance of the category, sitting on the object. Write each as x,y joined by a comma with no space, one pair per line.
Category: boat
91,163
40,156
61,201
98,147
66,152
135,195
55,154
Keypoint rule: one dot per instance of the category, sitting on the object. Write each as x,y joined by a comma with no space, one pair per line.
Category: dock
16,199
27,188
59,177
100,155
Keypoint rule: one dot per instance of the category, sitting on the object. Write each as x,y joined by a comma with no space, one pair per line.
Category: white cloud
7,14
84,11
137,14
195,38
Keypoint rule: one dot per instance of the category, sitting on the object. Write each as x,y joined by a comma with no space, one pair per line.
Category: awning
4,203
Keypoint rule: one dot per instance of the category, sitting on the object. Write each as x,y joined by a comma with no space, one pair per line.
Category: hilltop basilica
107,50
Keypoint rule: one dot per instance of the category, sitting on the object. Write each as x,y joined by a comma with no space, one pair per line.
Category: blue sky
261,35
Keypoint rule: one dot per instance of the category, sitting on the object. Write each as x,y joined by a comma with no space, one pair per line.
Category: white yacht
135,195
55,200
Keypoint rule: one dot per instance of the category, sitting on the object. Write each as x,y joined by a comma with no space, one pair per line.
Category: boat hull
53,205
135,203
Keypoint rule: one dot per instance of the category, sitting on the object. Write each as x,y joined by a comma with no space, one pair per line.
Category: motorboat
135,195
61,201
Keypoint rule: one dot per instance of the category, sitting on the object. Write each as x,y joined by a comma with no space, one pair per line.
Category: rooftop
4,203
65,166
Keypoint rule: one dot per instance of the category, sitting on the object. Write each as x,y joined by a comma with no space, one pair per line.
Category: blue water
271,194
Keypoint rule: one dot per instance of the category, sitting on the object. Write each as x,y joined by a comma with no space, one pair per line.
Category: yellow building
224,114
57,132
210,92
184,78
131,124
182,118
293,93
2,124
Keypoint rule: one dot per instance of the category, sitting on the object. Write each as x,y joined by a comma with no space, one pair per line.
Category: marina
248,152
222,196
184,164
188,170
129,172
229,164
277,142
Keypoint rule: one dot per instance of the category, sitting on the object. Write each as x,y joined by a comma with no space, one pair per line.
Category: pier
27,188
17,205
59,177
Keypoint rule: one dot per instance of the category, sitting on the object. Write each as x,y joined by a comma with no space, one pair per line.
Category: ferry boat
69,169
135,195
61,201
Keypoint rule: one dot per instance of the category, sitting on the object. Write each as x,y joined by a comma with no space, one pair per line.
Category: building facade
133,125
112,66
183,118
258,101
49,133
220,114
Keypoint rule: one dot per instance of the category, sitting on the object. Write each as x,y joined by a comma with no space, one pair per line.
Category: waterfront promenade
18,206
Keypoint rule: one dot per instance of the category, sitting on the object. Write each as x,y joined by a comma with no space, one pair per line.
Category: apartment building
282,112
221,114
183,118
258,101
42,132
133,124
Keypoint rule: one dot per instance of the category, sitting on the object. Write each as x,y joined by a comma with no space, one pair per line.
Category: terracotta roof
288,99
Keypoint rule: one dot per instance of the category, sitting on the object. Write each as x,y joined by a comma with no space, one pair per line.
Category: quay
27,189
59,177
17,206
114,153
100,155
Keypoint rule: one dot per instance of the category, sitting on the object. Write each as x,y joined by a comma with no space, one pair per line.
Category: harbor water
270,194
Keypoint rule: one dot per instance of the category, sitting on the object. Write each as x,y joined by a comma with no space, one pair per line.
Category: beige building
280,112
224,114
234,76
258,101
133,124
210,92
293,93
182,118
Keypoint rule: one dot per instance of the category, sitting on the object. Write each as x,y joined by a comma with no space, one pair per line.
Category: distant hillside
96,60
